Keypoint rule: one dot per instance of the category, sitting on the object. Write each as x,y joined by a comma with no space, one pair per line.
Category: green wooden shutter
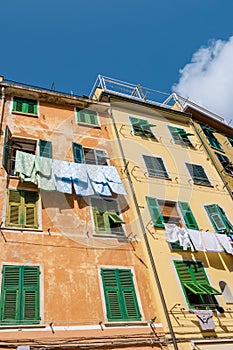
120,296
10,308
30,295
25,106
78,153
112,296
30,209
87,116
131,308
14,210
155,211
7,149
45,149
211,138
141,127
188,215
216,217
18,105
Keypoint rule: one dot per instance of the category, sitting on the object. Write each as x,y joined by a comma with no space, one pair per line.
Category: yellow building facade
186,212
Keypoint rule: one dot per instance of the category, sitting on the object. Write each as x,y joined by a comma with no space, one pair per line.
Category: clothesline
56,175
198,240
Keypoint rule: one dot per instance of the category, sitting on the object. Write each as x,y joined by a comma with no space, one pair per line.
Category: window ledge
18,326
26,114
205,185
123,238
89,124
22,229
126,324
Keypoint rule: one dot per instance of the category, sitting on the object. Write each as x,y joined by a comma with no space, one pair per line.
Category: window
86,116
20,300
198,174
89,155
106,216
120,297
230,140
155,167
227,165
226,292
11,145
170,212
218,219
195,284
209,133
141,127
22,209
45,149
180,136
24,106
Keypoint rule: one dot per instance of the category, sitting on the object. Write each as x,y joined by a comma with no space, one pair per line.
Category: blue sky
70,42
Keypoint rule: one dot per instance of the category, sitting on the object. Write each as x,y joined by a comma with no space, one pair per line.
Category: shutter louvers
188,215
30,308
10,294
155,211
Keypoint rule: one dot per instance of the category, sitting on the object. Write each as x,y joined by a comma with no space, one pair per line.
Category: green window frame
120,296
89,155
7,150
155,167
209,133
225,162
158,219
218,218
230,139
180,136
198,174
22,209
106,217
26,106
141,127
188,216
195,284
20,295
86,116
45,149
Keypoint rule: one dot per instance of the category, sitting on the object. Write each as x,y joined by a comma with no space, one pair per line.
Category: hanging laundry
98,180
61,176
171,232
205,318
183,238
81,182
25,166
211,242
45,180
196,238
114,180
225,242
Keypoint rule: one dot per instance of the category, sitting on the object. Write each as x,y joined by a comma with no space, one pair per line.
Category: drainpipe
155,273
212,159
2,109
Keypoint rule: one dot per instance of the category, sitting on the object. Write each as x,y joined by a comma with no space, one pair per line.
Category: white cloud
208,79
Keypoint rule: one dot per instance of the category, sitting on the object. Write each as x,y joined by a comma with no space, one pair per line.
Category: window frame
178,138
165,172
142,123
195,178
209,134
228,168
198,284
88,114
25,106
228,226
22,210
46,150
21,287
10,148
107,231
121,301
81,156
